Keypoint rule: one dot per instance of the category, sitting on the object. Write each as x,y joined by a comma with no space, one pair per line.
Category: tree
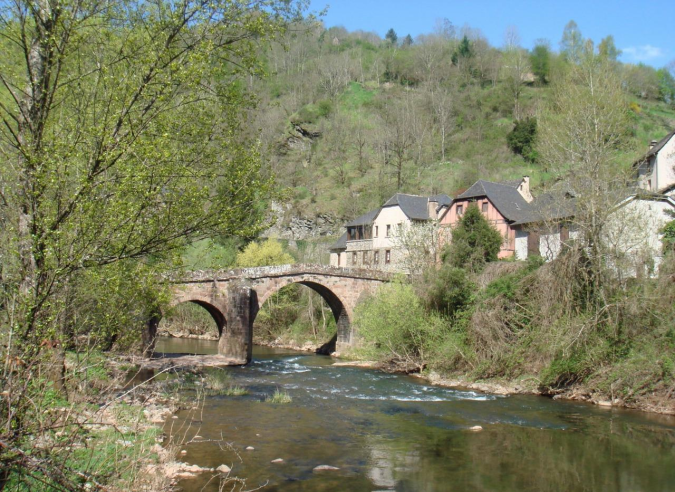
407,41
418,243
474,241
267,253
515,67
572,43
582,137
540,60
522,138
608,49
121,142
391,36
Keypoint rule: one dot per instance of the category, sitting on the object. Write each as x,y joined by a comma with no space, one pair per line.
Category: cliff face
289,225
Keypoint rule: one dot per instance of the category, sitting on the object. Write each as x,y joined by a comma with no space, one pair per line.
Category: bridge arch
335,303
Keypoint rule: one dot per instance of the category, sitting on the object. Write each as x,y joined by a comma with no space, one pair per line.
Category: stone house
655,171
502,204
370,240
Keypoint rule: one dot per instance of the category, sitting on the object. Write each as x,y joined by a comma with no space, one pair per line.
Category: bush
395,327
263,254
448,289
522,137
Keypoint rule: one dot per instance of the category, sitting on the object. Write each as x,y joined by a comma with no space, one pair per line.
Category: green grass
355,96
279,397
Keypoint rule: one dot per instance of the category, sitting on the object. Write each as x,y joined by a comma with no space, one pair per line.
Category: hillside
347,119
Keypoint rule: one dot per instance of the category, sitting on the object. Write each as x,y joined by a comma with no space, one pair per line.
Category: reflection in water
394,432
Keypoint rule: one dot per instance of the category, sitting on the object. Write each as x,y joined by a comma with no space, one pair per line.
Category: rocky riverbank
662,404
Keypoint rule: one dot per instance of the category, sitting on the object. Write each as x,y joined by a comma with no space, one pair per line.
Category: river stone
250,448
476,428
325,467
223,469
278,460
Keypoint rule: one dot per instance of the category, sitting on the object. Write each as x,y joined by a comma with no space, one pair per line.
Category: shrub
395,327
448,289
522,137
263,254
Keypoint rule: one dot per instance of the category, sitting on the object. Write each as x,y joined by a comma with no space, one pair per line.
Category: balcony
360,245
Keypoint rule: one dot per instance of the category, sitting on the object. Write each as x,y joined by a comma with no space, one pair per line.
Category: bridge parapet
281,271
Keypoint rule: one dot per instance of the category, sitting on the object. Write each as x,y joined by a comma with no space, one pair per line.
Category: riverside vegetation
134,135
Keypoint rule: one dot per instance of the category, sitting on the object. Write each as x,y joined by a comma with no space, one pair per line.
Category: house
656,169
633,233
370,240
502,204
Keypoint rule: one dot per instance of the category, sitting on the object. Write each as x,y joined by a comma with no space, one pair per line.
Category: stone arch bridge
234,297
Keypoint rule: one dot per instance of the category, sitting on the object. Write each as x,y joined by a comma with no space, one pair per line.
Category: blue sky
643,30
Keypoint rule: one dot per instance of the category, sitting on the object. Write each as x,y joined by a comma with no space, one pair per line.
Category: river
394,432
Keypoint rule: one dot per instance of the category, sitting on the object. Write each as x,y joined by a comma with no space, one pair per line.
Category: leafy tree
666,86
121,143
540,60
572,43
267,253
463,50
391,36
608,49
522,138
474,241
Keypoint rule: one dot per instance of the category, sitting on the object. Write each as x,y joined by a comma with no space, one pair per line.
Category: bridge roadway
233,298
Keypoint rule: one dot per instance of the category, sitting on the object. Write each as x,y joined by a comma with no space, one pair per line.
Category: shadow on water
392,432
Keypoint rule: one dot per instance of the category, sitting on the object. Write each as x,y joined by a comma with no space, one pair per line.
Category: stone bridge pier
233,299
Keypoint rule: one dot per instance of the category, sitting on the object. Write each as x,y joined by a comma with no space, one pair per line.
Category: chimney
524,189
432,205
652,144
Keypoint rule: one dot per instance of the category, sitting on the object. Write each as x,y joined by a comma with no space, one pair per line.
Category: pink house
501,203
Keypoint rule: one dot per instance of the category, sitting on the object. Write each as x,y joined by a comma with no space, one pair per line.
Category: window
353,258
484,207
387,256
365,257
339,256
376,257
377,229
388,230
460,210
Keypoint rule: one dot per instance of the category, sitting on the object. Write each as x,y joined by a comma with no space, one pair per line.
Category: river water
394,432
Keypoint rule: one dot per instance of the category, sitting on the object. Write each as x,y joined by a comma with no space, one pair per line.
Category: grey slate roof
548,206
364,219
414,206
659,145
504,197
340,244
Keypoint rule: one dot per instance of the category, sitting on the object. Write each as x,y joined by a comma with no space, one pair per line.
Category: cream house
656,169
370,240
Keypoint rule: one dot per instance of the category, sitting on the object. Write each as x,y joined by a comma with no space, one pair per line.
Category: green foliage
666,86
522,137
395,326
391,36
448,289
668,238
540,61
266,253
474,241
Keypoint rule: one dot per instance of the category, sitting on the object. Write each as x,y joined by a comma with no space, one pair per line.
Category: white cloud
643,53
